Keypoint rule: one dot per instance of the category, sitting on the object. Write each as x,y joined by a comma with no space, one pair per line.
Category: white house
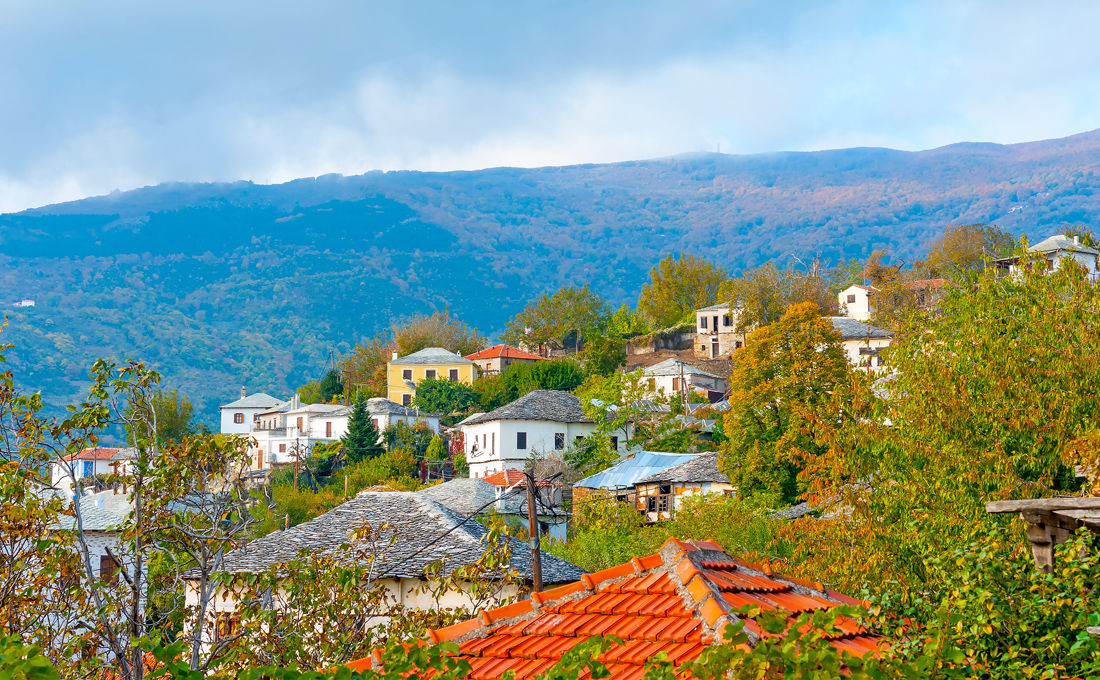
539,423
1057,250
672,376
239,417
862,342
716,331
82,466
854,302
102,515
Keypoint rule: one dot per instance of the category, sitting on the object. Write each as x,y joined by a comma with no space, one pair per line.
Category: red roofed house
86,463
551,516
677,601
498,357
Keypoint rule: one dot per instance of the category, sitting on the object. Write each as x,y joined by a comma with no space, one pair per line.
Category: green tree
964,249
570,312
437,395
437,450
764,294
604,354
784,395
438,329
677,287
405,437
172,413
625,323
558,374
362,440
364,368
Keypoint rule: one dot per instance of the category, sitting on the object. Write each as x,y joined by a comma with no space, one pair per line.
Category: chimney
243,393
394,355
1076,240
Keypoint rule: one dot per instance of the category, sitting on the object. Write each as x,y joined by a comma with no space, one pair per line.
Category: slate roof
102,511
702,468
257,400
381,406
721,306
427,532
505,351
464,496
853,329
1061,242
432,355
677,601
552,405
628,472
672,367
318,408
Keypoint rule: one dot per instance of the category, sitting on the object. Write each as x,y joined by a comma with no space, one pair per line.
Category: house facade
498,358
240,416
674,377
661,494
540,423
86,464
716,331
1059,250
854,302
862,342
404,373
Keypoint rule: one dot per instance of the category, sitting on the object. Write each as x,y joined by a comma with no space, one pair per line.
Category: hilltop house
239,417
862,342
716,331
674,377
403,373
499,357
1057,250
539,423
854,302
413,531
504,493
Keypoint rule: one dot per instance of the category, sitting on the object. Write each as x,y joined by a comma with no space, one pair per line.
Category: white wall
229,427
859,308
492,446
851,352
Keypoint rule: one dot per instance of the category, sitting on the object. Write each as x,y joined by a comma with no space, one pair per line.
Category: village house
404,373
83,466
862,342
677,601
673,377
504,493
539,423
716,331
1058,250
854,302
102,515
662,494
240,416
413,531
619,481
498,358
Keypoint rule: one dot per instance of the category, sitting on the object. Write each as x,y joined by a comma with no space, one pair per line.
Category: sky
101,96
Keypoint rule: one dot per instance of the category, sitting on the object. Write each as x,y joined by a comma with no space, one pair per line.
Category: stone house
674,377
498,358
661,494
716,332
862,342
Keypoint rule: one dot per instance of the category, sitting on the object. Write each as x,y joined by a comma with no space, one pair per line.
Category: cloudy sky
96,96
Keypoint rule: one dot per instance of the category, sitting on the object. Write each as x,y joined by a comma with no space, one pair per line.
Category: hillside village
736,460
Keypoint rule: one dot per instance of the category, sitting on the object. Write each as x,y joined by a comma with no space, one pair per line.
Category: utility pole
533,530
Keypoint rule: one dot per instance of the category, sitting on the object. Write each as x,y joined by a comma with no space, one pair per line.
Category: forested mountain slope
219,285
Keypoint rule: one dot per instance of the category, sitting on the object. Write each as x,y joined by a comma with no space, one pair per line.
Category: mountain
228,284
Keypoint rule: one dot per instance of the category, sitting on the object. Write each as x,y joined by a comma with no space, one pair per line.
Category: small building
81,467
677,601
620,480
498,358
1058,250
663,493
102,516
241,416
862,342
540,423
716,332
404,373
854,302
674,377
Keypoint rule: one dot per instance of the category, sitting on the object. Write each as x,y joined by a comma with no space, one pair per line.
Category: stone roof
703,468
1061,242
464,496
318,408
854,329
551,405
721,306
426,532
257,400
432,355
102,511
377,406
628,472
672,367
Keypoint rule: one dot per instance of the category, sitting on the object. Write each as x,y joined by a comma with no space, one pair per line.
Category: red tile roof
97,453
505,351
929,283
510,477
676,601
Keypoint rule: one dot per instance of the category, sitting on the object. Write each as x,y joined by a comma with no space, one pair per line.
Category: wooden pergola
1051,521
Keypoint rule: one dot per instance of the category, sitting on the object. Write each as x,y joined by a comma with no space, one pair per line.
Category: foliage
438,329
322,391
625,323
569,312
964,249
396,467
764,294
789,391
492,391
411,438
362,440
677,287
606,532
364,367
439,395
173,415
604,354
557,374
436,449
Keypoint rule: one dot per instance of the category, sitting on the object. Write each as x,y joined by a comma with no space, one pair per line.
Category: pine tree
436,449
362,438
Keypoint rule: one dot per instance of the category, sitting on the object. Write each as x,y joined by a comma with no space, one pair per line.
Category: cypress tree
361,440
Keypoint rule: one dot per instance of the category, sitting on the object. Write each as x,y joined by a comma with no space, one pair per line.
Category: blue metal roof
626,473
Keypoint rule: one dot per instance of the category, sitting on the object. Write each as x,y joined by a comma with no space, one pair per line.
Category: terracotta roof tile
504,351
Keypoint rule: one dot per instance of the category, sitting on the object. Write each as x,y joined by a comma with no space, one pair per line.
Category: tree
364,368
569,313
322,391
402,436
787,392
677,287
604,354
764,294
625,323
438,329
436,449
362,440
437,395
965,249
173,415
558,374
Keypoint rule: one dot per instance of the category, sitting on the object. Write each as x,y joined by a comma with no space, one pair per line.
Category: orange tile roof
676,601
96,453
510,477
506,351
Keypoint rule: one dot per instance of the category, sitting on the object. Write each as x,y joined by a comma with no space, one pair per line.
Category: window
299,422
559,440
454,375
406,399
256,418
521,441
851,299
430,373
407,374
238,418
108,569
727,320
376,425
226,625
282,448
737,345
675,384
328,430
615,443
702,322
493,445
89,469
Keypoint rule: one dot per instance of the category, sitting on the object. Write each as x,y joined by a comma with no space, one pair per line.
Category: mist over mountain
226,284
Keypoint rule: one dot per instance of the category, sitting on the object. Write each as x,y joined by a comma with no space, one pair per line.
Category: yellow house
404,373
